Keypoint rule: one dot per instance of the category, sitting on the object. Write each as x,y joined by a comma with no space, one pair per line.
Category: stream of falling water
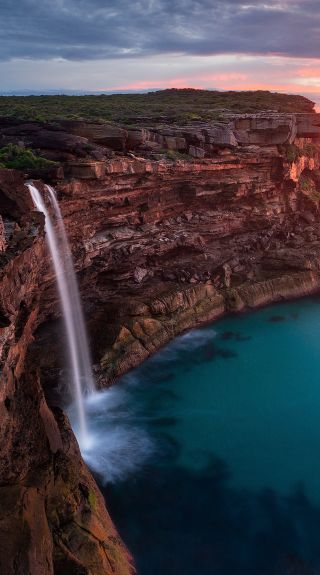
78,349
120,446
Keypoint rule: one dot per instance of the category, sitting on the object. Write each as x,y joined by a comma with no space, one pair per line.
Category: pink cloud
226,73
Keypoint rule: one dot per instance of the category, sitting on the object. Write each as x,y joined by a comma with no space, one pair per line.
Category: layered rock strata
161,242
52,515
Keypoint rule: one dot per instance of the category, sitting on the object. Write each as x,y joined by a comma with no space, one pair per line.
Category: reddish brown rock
52,517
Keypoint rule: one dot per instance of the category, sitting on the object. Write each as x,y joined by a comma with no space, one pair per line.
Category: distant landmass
67,92
171,106
64,92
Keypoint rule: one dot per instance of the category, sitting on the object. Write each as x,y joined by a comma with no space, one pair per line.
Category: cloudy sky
107,45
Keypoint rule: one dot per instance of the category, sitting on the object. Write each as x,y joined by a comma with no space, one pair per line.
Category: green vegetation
174,155
176,106
306,184
19,158
310,185
293,152
310,150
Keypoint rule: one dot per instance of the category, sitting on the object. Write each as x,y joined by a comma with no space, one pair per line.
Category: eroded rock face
160,245
53,521
265,129
66,140
52,517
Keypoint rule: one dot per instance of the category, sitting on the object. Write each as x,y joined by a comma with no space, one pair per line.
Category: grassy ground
176,106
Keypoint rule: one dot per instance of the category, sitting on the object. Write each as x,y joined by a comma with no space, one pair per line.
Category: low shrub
19,158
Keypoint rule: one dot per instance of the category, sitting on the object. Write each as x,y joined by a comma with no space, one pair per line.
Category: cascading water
76,308
79,356
118,447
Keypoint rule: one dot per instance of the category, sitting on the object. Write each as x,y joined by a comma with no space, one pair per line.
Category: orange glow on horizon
240,85
282,75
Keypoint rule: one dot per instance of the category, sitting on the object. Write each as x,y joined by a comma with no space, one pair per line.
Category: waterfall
78,349
76,308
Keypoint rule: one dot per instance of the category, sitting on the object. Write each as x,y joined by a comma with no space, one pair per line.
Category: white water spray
79,356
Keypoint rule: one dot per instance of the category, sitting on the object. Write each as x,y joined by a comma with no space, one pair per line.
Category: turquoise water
214,448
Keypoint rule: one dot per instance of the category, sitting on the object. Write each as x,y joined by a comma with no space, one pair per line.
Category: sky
115,45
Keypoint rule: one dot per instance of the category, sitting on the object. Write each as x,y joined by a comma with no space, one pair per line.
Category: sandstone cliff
170,227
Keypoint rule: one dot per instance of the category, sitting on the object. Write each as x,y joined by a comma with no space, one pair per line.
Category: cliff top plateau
172,105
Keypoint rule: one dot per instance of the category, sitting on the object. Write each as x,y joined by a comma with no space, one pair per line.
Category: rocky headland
171,226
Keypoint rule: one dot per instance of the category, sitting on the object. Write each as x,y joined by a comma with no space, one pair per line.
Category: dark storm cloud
99,29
